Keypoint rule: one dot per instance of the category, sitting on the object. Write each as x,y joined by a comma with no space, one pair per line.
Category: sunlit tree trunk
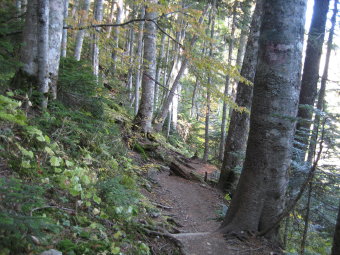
43,20
139,59
193,98
321,97
227,81
159,70
55,32
239,123
144,115
119,18
98,17
64,37
310,75
81,33
130,74
260,194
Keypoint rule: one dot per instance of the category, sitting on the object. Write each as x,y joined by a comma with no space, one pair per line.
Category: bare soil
193,207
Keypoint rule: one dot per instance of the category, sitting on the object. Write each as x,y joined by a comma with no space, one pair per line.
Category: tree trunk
29,50
144,115
119,17
310,75
159,71
193,98
130,74
305,229
98,17
322,92
226,86
81,33
55,32
175,105
260,194
207,114
207,122
239,124
139,59
336,238
64,37
41,51
160,118
43,20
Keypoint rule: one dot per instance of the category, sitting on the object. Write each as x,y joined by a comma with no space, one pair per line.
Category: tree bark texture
64,37
81,33
336,238
144,115
160,118
43,20
260,194
119,18
226,86
55,32
239,124
159,70
322,92
139,59
310,75
98,16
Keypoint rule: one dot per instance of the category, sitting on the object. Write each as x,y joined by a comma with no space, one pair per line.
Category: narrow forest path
194,207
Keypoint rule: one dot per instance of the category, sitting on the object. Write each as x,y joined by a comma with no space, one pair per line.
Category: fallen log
183,171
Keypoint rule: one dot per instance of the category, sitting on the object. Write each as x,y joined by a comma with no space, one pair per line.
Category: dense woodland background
84,83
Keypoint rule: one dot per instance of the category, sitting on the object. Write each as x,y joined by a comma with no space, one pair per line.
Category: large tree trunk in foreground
40,54
260,194
144,115
336,239
310,75
239,124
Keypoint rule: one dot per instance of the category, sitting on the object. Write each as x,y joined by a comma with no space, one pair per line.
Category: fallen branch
162,206
51,206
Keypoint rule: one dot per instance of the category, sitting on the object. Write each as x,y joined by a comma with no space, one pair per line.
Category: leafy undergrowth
66,179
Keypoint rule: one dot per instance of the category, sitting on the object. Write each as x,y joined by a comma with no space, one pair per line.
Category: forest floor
195,209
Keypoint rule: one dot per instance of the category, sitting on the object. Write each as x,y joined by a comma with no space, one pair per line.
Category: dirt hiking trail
193,206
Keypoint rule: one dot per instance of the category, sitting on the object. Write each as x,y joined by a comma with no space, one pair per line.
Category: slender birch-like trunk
226,86
81,33
64,37
139,59
159,70
119,18
43,20
98,17
144,115
55,32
